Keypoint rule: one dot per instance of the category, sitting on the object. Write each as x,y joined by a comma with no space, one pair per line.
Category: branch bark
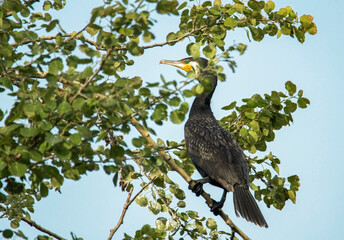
174,166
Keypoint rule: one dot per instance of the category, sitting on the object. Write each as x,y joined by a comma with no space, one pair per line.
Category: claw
216,207
197,188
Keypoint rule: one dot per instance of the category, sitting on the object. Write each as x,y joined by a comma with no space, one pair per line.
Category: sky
310,147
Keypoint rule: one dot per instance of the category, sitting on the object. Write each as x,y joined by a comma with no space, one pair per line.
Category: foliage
72,104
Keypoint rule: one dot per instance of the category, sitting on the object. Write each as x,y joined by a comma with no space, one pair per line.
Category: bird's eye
187,61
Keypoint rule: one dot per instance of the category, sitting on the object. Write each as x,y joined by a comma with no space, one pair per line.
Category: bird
213,150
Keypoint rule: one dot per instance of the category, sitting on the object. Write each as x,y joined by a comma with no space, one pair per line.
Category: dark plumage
215,153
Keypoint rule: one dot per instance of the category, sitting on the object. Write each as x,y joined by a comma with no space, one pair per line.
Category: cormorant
215,153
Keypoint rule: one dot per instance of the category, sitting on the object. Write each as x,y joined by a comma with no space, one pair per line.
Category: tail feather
247,207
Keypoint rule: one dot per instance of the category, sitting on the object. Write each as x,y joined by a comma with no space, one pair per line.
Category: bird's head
187,64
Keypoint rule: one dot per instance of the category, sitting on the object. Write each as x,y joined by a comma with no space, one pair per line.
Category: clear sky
310,148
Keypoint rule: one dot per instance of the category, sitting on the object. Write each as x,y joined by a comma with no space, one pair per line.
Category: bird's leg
218,205
198,187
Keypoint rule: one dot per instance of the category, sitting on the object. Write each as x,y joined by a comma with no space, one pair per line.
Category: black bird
215,153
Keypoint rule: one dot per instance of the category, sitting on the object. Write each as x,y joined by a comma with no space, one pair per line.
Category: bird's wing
216,153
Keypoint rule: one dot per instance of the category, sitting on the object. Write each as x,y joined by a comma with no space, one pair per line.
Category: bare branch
42,229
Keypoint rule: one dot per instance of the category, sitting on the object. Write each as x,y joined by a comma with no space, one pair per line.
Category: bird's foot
216,207
197,188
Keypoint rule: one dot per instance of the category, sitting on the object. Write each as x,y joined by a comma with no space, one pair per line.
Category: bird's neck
201,104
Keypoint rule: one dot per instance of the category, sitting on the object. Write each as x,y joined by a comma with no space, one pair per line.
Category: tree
72,104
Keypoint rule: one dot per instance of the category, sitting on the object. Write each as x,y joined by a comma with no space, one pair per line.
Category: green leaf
44,190
269,6
243,132
292,196
154,207
75,138
230,106
14,224
255,5
211,224
275,98
47,5
141,200
64,107
214,11
283,12
116,152
302,102
209,51
175,101
194,50
254,125
18,169
7,233
6,82
177,116
62,152
55,66
92,29
36,156
230,23
291,88
199,89
31,109
134,49
171,36
306,20
257,33
137,142
28,132
312,29
181,6
254,135
54,139
78,103
126,31
254,187
181,204
31,35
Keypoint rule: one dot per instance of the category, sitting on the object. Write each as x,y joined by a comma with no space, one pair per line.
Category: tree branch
174,166
42,229
120,221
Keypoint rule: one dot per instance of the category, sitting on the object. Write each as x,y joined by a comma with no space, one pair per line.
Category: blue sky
309,148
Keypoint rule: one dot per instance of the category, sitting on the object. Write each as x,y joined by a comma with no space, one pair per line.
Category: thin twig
125,208
120,221
109,51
